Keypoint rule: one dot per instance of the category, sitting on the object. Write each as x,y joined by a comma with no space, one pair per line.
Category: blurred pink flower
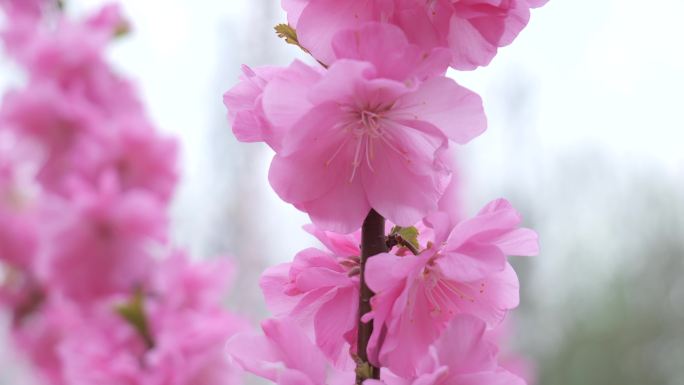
188,327
102,243
190,346
285,355
78,140
71,56
513,361
66,131
19,222
185,285
25,8
140,158
462,355
104,179
190,324
39,332
188,350
18,237
464,270
452,200
106,350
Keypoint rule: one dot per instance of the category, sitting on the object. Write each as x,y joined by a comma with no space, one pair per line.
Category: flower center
365,126
445,295
369,124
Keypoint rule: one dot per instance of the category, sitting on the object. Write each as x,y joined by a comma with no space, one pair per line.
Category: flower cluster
368,132
367,135
96,293
472,30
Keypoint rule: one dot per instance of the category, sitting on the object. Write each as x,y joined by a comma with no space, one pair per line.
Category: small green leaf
133,312
407,234
284,31
364,370
122,30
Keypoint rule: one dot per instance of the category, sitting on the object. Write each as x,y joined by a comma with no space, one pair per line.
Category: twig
373,241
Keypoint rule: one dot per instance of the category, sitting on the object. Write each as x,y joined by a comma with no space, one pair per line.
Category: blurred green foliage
610,309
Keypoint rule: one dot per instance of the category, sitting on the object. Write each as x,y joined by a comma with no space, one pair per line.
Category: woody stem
373,241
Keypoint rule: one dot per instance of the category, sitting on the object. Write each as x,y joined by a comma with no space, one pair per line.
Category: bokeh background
586,138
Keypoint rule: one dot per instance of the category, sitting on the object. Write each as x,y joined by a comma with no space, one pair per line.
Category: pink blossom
321,288
186,302
188,349
109,20
285,355
451,202
49,39
95,345
185,285
19,221
24,8
462,355
102,244
521,367
472,30
463,271
141,158
104,179
71,56
294,9
248,100
106,350
188,328
18,237
372,138
387,47
342,245
65,131
536,3
259,111
39,333
244,104
511,360
78,139
318,21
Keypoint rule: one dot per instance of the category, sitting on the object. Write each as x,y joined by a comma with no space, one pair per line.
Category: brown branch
373,241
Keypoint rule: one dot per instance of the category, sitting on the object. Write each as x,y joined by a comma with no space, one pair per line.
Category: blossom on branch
462,355
285,355
472,30
462,271
320,289
370,133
